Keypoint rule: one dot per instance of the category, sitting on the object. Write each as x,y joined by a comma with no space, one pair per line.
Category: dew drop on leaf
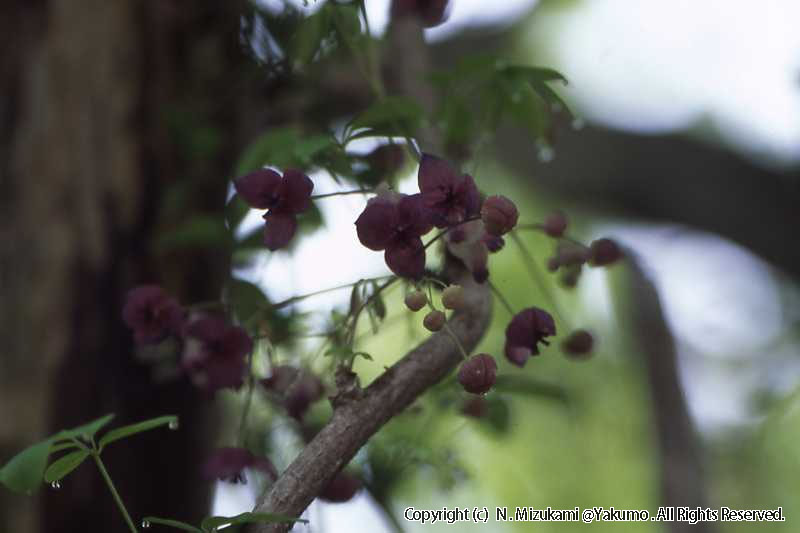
145,524
174,425
55,485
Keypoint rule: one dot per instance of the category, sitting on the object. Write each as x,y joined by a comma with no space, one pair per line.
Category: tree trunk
108,108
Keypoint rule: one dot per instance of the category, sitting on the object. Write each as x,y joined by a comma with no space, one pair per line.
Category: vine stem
294,299
453,336
447,229
114,493
537,277
342,193
502,298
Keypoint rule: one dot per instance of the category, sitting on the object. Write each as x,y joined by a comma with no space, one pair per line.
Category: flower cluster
228,464
296,389
214,352
394,223
283,197
152,314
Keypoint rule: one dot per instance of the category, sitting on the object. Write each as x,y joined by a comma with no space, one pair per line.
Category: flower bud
453,297
416,300
604,252
578,345
434,321
477,374
342,488
499,215
555,224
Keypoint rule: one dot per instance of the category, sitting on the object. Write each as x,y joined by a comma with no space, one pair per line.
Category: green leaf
86,430
306,149
398,114
63,446
527,386
64,465
133,429
535,74
247,518
275,147
198,231
171,523
23,473
246,298
308,36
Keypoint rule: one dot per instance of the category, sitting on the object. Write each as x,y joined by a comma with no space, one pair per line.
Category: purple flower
283,197
152,314
604,252
452,198
298,389
395,223
578,345
430,12
470,247
341,488
228,464
215,353
528,328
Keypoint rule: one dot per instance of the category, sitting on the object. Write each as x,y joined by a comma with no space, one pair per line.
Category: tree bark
102,106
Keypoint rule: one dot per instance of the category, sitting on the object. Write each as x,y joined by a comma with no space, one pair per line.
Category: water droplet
145,524
578,124
546,153
174,424
55,485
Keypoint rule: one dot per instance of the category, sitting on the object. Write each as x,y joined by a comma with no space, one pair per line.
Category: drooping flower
452,198
283,197
297,388
604,252
228,464
395,223
341,488
478,373
215,353
499,215
430,12
152,314
470,247
528,328
555,224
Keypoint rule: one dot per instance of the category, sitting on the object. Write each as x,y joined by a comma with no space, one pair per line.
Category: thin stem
502,298
452,334
540,227
536,275
248,400
341,193
294,299
447,229
114,493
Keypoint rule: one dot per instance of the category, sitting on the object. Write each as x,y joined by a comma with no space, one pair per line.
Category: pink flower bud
499,215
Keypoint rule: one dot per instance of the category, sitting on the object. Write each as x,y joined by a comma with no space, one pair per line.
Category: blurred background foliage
704,201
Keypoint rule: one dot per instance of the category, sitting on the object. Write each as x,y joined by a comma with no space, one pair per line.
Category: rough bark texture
99,104
356,420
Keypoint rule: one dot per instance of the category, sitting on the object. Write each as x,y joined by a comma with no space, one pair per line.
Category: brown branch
354,422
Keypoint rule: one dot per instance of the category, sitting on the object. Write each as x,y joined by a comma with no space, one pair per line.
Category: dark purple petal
227,464
295,192
413,216
279,230
215,353
406,258
377,224
236,343
304,391
281,379
259,189
152,314
341,488
528,328
468,196
519,355
266,466
435,175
